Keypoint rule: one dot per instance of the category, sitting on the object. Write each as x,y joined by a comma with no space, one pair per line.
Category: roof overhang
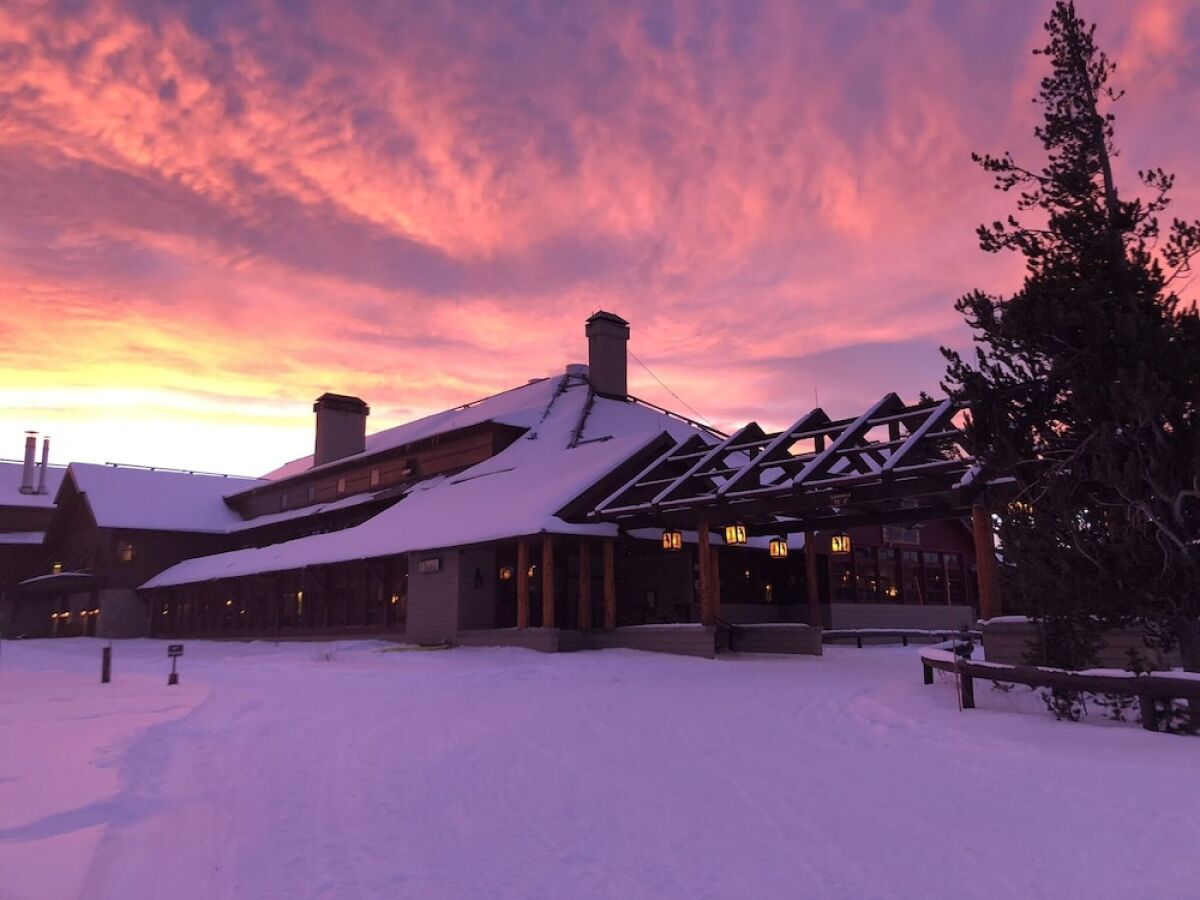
60,583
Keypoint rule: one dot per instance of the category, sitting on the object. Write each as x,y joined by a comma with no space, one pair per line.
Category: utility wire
691,408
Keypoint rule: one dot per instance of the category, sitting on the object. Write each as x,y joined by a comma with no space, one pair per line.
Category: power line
691,408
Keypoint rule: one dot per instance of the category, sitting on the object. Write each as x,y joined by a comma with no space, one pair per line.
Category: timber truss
893,463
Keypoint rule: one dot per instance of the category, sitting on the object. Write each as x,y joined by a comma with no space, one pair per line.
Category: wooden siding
438,455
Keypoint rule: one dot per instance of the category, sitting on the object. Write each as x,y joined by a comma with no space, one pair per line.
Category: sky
211,212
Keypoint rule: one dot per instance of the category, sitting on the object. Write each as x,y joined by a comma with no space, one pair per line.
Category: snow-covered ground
339,771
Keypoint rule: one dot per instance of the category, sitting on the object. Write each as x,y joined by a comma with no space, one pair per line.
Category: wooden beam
610,585
585,584
522,574
985,562
704,558
547,581
810,579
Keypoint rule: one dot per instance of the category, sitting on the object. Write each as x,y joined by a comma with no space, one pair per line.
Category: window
283,500
341,485
312,493
935,577
864,568
911,587
56,569
375,478
889,575
125,552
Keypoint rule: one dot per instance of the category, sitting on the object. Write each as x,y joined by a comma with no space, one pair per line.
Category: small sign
898,534
433,564
174,650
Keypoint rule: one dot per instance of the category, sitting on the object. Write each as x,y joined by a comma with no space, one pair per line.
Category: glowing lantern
778,547
672,540
506,573
839,544
735,535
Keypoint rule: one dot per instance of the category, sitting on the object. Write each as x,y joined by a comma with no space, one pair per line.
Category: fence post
1149,712
967,690
928,671
105,665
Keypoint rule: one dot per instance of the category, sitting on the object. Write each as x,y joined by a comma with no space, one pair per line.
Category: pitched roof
519,406
574,439
10,485
158,499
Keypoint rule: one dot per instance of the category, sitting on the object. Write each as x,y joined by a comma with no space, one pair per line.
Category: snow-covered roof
158,499
10,485
575,438
521,407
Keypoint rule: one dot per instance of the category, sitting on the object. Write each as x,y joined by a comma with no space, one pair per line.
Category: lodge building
482,524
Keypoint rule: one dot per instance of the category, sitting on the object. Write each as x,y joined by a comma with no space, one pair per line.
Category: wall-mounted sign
898,534
432,564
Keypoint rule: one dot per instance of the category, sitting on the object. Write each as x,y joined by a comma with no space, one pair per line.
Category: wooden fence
1146,688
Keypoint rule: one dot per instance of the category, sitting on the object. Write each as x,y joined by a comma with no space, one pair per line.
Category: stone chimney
608,340
341,427
27,472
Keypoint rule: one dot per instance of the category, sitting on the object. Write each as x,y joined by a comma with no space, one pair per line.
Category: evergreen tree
1085,384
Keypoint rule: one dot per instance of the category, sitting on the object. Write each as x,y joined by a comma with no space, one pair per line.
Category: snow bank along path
338,771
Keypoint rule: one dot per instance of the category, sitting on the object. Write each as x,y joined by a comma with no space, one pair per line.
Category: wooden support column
547,581
585,584
522,574
985,562
704,559
610,585
810,579
714,587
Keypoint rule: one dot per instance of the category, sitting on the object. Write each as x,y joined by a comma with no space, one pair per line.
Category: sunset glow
214,211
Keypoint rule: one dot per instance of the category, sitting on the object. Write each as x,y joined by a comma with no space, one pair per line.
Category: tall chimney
45,462
608,339
27,472
341,427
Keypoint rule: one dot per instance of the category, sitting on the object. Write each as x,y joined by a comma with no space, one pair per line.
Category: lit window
374,478
56,569
341,485
125,552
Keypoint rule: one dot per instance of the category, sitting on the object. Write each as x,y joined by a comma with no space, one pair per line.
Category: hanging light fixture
778,547
735,535
672,540
839,544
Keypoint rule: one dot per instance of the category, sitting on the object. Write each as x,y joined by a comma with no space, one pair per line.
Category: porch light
735,535
839,544
778,547
672,540
506,573
531,571
56,569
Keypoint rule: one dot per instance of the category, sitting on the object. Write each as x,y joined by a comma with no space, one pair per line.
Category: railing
831,635
1146,688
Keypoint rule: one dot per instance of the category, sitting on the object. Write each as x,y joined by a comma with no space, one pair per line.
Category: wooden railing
830,635
1146,688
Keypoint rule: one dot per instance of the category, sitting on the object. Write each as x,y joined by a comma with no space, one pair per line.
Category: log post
985,562
585,585
704,558
927,671
1149,712
523,583
714,586
610,585
547,581
810,578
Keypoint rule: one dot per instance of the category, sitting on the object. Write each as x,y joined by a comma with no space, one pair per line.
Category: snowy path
275,772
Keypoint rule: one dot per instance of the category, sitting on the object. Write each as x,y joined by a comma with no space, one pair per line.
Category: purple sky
215,211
